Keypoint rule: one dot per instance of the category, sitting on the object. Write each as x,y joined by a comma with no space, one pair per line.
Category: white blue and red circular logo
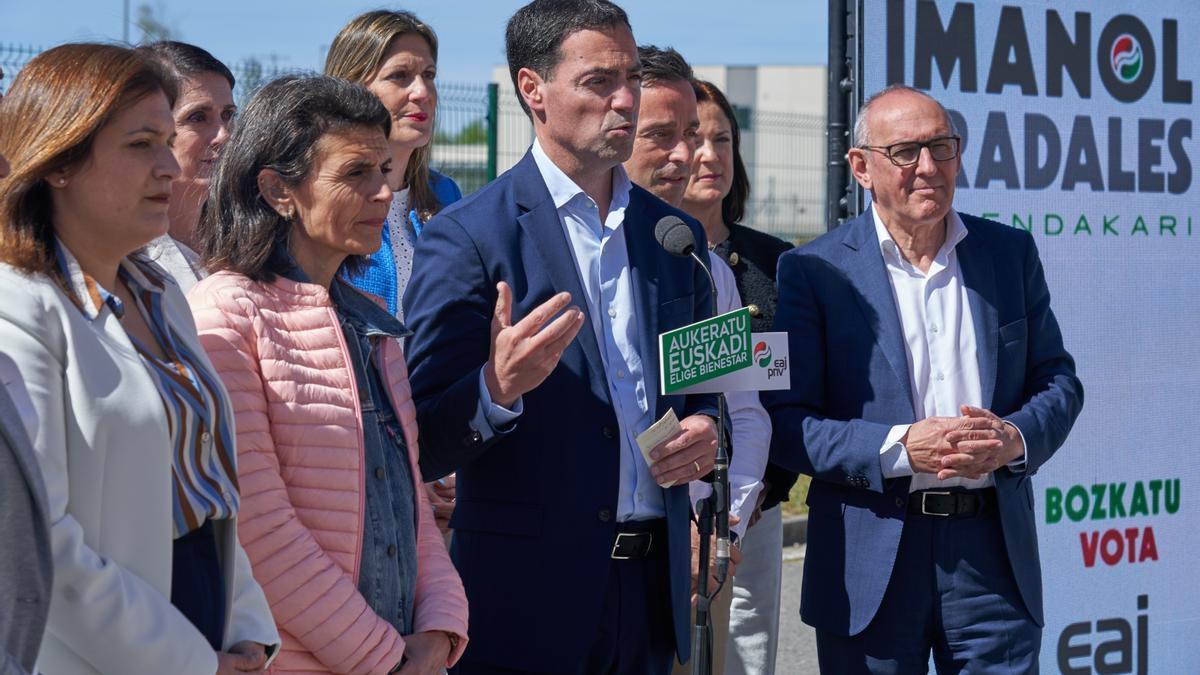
762,354
1126,58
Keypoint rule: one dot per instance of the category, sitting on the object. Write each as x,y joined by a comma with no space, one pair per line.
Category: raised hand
525,353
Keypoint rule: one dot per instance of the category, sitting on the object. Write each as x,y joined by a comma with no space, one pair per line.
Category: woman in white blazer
132,429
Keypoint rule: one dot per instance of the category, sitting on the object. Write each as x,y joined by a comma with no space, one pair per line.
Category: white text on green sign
705,349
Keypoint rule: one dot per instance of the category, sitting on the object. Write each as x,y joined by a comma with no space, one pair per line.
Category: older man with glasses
935,384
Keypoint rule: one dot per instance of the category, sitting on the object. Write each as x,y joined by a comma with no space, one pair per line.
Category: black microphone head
675,236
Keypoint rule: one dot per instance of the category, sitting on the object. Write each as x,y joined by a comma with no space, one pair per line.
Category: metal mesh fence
482,131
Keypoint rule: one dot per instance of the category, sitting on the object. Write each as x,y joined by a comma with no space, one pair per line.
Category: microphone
677,238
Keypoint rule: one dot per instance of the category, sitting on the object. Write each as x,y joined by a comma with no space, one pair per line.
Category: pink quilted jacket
283,358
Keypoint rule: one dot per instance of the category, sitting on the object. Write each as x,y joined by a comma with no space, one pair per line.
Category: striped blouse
202,437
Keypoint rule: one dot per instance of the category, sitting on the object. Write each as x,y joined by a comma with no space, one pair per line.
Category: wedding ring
697,465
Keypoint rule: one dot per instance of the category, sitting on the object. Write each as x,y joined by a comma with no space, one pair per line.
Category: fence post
493,128
837,117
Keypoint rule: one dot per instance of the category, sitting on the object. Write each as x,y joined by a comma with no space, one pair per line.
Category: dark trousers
952,593
635,635
197,586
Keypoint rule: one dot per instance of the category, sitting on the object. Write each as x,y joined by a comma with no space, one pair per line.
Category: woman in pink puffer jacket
338,533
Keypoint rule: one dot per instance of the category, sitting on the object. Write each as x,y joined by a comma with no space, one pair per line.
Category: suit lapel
642,250
979,277
544,228
867,272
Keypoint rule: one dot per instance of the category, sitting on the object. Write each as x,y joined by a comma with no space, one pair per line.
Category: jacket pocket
675,313
1013,331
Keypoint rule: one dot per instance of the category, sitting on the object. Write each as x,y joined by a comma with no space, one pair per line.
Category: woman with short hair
132,428
334,521
203,112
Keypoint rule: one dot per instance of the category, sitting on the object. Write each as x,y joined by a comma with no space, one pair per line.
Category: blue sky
471,32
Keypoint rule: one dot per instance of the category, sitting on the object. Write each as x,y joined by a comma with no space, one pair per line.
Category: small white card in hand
661,431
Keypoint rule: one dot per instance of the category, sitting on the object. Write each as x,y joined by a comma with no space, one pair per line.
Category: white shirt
939,341
751,426
602,261
403,241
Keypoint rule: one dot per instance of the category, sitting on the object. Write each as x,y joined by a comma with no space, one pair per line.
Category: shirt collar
367,317
90,297
563,190
956,231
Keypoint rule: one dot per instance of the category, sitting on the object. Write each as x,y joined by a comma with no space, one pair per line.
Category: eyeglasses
907,153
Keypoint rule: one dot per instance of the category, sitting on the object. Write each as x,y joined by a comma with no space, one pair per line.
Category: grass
795,506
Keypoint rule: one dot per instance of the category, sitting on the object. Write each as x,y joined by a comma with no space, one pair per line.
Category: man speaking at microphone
934,385
573,556
661,162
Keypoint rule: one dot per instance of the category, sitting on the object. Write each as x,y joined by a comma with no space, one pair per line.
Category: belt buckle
617,543
925,511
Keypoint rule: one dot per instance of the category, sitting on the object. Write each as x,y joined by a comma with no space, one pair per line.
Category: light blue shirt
602,261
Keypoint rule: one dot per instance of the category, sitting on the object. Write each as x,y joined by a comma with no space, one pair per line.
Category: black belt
640,539
952,503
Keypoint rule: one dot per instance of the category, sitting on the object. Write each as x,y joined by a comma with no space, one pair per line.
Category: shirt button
933,328
612,312
621,374
226,496
608,432
391,551
605,515
206,438
380,473
940,377
754,310
899,503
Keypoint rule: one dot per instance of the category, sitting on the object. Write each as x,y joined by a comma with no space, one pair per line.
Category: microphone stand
714,507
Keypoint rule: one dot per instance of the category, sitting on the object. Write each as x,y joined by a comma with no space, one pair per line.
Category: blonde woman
394,55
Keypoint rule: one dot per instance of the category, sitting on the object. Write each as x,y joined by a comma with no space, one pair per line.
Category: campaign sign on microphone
770,368
704,350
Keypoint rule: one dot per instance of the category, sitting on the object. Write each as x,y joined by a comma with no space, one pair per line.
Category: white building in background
782,114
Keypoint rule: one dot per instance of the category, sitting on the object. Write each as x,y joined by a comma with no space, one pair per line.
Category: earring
62,182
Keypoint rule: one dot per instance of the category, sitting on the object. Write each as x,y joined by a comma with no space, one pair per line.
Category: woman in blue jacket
394,54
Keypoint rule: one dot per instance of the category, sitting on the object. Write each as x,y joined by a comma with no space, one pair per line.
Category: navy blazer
536,508
852,385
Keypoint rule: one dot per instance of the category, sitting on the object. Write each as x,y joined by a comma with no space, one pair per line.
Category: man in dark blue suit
932,384
573,556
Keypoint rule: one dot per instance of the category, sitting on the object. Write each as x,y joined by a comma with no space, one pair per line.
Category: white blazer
102,443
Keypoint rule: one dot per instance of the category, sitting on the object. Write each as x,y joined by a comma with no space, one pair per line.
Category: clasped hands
970,446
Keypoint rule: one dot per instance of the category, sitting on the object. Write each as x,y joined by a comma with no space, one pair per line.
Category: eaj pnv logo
762,354
1126,58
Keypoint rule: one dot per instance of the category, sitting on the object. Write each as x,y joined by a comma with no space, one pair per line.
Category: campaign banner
770,368
704,350
1078,119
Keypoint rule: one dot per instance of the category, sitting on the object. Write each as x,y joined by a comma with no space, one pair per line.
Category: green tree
472,134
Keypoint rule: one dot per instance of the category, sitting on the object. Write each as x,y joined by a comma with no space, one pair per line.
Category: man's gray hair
862,136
